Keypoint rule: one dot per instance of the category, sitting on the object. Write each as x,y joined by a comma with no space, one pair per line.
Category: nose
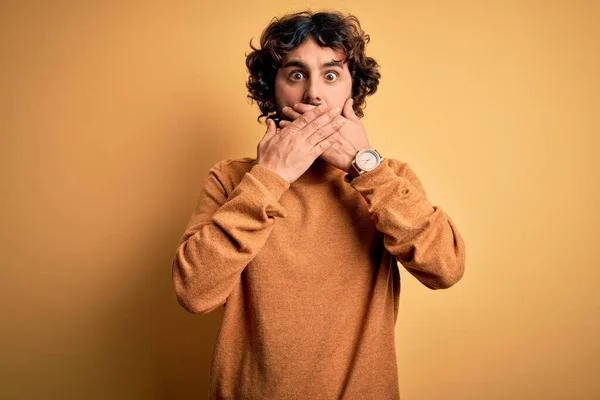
313,92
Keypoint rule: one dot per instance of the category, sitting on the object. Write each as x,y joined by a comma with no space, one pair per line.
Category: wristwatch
365,160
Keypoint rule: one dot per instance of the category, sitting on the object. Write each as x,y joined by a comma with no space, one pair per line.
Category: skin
312,75
290,151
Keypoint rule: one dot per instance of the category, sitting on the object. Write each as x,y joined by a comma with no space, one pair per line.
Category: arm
421,236
223,235
227,231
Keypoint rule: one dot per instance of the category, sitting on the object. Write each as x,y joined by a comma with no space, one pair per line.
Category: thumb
271,129
348,111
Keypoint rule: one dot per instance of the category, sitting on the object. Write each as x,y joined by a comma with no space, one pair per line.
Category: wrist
364,161
348,162
350,158
275,170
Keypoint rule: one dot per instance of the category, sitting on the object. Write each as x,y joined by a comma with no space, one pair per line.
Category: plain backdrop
111,114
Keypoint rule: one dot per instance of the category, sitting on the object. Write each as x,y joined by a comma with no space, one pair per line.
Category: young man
302,243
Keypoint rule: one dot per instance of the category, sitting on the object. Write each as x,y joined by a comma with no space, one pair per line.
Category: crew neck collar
320,170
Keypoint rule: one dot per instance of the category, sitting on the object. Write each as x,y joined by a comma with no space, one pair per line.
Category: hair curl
328,29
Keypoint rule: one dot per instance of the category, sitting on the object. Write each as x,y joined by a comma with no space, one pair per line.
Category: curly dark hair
328,29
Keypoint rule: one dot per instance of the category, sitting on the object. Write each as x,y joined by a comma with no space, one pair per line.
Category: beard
279,115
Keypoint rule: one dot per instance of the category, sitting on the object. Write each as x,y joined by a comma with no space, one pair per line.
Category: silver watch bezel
370,151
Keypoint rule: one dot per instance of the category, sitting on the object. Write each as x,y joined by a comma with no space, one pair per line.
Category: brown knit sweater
308,276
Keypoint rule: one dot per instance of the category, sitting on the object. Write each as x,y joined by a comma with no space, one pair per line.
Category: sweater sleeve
223,235
421,236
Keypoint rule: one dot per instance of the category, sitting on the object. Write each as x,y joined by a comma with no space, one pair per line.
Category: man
301,243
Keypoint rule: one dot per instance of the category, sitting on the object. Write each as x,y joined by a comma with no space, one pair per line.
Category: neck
319,170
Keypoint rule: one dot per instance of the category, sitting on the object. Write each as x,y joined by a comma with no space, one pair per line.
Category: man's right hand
290,151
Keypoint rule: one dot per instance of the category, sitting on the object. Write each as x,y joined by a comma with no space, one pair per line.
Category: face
312,74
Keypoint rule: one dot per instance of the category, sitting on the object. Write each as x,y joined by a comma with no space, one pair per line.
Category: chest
327,238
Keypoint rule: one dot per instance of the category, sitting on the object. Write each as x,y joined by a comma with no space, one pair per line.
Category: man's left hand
353,136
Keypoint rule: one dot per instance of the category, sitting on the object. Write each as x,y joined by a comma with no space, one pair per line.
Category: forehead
310,53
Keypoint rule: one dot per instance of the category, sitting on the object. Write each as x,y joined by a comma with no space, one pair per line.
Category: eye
296,76
331,76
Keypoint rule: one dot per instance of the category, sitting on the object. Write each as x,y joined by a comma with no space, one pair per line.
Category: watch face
367,160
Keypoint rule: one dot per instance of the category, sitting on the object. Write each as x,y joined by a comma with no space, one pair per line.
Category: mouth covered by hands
291,150
352,138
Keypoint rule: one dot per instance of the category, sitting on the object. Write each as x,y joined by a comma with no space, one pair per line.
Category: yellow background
111,114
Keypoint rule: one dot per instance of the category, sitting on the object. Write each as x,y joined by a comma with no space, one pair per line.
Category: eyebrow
300,64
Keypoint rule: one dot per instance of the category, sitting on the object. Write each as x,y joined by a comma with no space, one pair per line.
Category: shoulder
403,170
400,168
229,172
235,165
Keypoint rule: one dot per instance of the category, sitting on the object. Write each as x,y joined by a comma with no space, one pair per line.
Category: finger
327,130
322,146
271,129
348,111
318,123
290,112
308,117
303,107
283,123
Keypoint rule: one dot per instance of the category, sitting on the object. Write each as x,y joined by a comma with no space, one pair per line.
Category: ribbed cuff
270,180
383,171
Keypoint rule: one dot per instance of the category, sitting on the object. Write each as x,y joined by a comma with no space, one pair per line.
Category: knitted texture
308,275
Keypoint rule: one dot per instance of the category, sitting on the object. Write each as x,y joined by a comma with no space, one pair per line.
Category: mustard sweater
308,276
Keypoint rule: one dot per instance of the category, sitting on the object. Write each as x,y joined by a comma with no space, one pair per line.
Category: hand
290,151
353,136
